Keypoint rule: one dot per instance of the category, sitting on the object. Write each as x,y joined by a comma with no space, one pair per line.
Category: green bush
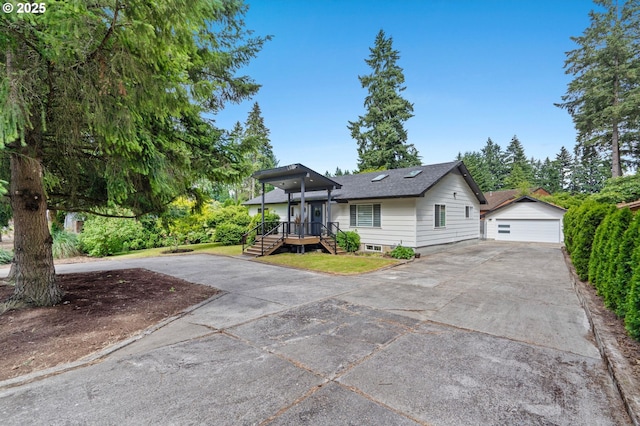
348,240
614,292
6,256
238,215
580,230
271,220
623,265
229,234
65,244
620,189
103,236
401,252
632,318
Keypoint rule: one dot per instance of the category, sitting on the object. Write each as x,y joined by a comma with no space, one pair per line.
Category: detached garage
525,219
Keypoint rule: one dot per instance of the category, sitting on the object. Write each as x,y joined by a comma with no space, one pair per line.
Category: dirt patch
98,310
628,347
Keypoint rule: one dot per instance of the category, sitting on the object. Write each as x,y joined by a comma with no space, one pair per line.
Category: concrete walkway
485,333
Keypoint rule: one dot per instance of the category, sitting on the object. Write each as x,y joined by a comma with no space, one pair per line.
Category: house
510,217
414,207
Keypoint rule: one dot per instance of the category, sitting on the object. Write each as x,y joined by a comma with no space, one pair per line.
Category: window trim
376,216
441,217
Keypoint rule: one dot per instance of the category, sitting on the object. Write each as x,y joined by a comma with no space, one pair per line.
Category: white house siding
458,227
397,222
280,209
529,221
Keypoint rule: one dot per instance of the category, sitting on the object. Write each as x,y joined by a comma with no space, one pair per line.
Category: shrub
614,296
103,236
623,265
65,244
229,234
238,215
632,318
598,255
6,256
271,220
581,229
348,240
619,189
401,252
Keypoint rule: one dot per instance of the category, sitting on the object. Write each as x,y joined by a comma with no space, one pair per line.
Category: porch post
262,208
302,211
328,209
288,227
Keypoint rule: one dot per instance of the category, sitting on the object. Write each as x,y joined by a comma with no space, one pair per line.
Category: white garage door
539,231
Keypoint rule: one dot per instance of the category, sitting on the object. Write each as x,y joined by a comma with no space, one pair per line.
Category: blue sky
474,69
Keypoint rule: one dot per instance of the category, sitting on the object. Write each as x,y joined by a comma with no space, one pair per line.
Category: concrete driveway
483,333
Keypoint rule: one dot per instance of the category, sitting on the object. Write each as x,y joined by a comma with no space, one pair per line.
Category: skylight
412,174
379,178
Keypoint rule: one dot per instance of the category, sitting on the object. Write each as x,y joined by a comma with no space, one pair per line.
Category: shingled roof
396,183
497,199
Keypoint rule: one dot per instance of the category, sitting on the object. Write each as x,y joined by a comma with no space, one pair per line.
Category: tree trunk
32,270
616,167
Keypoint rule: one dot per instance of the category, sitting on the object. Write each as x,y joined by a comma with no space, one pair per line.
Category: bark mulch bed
98,310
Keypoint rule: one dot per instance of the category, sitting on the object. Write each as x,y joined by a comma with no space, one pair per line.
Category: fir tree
602,97
564,162
495,163
261,156
101,105
380,133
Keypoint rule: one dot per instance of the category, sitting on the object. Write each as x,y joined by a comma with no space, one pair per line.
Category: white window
364,215
468,212
371,247
504,229
440,219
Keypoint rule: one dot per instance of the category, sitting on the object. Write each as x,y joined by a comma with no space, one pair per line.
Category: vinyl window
364,215
440,219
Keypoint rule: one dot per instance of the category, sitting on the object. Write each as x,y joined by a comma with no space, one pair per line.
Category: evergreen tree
515,156
602,97
590,170
261,156
548,176
478,168
380,133
495,162
564,162
103,101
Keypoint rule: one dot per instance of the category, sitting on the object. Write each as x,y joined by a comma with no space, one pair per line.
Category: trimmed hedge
580,230
604,244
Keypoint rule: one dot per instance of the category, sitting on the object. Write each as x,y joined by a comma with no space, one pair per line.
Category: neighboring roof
290,178
497,199
397,183
633,205
525,199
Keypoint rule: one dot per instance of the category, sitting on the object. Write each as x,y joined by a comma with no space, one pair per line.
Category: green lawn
344,264
212,248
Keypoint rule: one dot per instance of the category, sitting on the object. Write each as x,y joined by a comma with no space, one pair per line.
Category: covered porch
311,226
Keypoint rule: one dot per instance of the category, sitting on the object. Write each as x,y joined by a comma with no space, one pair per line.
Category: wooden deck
272,243
301,241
